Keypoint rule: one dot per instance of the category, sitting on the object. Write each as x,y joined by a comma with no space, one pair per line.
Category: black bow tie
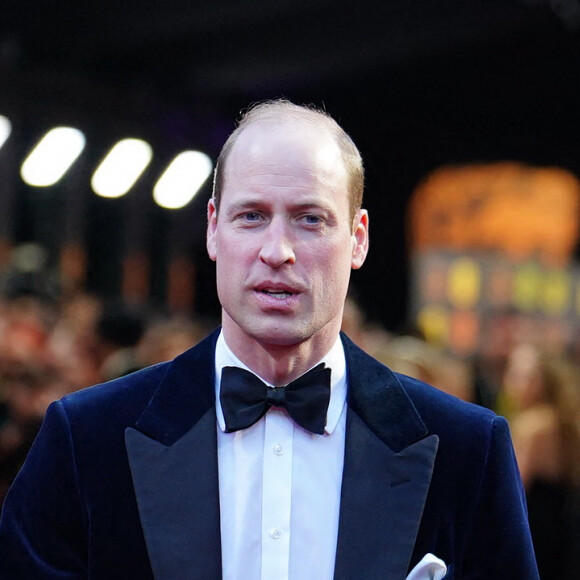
245,398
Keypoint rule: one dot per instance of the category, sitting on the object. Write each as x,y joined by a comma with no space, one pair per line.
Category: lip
270,302
276,287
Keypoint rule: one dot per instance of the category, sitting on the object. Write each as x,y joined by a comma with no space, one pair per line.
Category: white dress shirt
280,487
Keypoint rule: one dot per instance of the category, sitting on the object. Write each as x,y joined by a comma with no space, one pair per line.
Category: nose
277,247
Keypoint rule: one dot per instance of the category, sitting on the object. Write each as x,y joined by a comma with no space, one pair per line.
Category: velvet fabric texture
122,482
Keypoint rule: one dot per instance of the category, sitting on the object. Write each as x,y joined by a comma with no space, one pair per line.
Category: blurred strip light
52,156
121,168
182,179
5,129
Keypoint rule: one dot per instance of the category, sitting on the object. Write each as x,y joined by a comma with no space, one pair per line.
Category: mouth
277,294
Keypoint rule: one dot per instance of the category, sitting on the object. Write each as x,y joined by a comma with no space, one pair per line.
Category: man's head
287,235
283,110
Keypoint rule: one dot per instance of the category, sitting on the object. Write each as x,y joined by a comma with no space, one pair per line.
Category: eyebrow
244,204
252,203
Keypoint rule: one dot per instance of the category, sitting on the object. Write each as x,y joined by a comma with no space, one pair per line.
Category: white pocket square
429,568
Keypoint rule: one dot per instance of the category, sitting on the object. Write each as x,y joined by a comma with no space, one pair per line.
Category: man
163,475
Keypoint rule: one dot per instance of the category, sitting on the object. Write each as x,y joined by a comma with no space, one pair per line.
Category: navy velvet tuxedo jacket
122,483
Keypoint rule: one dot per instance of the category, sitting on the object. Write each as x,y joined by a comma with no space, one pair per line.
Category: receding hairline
283,111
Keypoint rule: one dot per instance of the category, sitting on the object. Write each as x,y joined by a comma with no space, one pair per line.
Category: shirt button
278,449
275,533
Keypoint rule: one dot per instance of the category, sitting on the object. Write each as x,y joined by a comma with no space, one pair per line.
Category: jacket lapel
388,465
173,458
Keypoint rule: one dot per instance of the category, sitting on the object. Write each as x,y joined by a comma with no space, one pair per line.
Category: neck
280,364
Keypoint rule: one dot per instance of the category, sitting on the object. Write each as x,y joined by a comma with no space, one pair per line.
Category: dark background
417,84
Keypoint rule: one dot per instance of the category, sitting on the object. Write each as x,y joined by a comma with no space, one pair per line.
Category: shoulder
170,388
436,405
137,383
433,405
134,391
405,408
458,424
122,399
474,441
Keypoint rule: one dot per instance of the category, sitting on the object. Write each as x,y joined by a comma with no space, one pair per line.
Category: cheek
333,278
233,265
230,255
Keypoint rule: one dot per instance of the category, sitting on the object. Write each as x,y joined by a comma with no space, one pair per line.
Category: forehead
286,154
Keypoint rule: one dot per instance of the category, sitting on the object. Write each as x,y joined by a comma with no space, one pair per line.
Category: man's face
284,242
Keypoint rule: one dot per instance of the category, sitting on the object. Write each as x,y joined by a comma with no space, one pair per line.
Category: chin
282,339
282,331
280,335
293,334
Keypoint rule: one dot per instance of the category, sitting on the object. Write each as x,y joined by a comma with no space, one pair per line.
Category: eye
251,216
311,219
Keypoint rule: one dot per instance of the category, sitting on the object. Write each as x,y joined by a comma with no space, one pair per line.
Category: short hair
282,109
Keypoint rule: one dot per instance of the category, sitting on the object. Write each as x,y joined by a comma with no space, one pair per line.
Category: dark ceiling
417,84
178,52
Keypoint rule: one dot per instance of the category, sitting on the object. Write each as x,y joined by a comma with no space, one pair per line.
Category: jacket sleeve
43,525
499,544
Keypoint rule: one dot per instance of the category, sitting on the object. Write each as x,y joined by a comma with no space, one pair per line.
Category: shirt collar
334,359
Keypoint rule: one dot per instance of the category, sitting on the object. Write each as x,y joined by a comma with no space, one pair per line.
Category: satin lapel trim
183,396
177,494
377,396
382,501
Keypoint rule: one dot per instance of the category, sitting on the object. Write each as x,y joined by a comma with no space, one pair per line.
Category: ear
360,238
211,242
